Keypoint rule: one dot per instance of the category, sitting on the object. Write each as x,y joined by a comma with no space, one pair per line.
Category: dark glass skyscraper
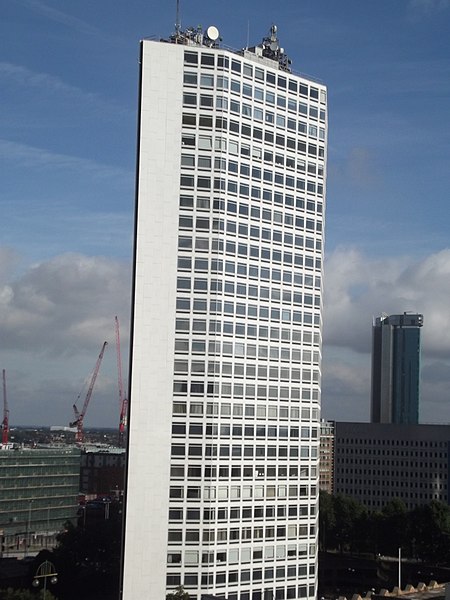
396,368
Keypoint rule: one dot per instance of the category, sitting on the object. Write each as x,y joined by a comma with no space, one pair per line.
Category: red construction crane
79,416
5,422
123,402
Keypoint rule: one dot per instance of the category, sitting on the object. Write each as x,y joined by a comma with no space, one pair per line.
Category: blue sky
68,80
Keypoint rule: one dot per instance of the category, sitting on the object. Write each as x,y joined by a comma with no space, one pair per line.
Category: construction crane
123,402
5,422
79,416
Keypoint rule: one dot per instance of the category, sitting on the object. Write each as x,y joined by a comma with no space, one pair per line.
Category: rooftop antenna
177,21
248,33
272,49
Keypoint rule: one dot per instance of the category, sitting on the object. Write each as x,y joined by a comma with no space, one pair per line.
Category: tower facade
222,484
396,369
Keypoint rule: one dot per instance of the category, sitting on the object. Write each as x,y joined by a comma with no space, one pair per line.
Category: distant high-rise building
222,487
396,368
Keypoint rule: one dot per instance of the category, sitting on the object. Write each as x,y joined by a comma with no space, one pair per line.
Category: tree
11,594
347,513
89,559
423,532
327,519
362,540
430,527
393,528
178,594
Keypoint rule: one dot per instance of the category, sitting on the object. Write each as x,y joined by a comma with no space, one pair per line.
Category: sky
68,97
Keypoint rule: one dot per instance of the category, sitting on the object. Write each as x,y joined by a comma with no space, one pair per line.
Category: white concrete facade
222,491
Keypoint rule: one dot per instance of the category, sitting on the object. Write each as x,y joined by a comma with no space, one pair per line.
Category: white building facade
222,485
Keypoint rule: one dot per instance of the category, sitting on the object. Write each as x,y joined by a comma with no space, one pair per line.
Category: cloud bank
55,315
358,288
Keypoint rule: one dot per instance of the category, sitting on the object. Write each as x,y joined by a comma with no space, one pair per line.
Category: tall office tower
222,491
396,368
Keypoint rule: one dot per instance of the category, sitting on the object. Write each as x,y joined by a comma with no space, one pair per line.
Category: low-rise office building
377,462
38,493
102,471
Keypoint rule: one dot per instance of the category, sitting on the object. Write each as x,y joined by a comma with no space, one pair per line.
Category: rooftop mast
177,20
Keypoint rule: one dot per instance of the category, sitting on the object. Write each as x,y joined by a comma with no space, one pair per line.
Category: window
207,59
205,142
183,304
259,94
206,81
190,78
191,58
188,140
204,183
189,120
236,66
235,86
187,160
204,162
270,98
233,147
281,101
174,558
190,99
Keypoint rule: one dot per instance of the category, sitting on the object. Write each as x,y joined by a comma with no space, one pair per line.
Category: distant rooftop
407,319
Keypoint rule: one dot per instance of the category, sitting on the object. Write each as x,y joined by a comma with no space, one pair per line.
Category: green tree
393,528
327,521
362,541
430,527
89,558
423,532
178,594
11,594
347,513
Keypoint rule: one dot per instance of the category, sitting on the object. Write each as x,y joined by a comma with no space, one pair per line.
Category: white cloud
64,306
39,158
8,262
361,169
60,17
51,85
358,288
345,385
55,315
25,77
429,5
421,9
54,318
